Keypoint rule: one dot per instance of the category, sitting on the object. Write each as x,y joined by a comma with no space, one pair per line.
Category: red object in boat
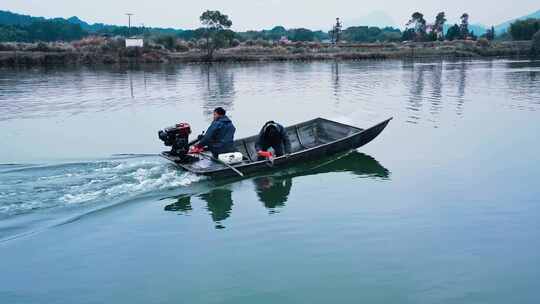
265,154
196,149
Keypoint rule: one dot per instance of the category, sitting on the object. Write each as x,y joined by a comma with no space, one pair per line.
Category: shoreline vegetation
91,51
34,42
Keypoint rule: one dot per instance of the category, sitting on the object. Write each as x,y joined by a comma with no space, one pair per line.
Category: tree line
418,29
55,30
24,28
63,30
47,30
525,29
30,29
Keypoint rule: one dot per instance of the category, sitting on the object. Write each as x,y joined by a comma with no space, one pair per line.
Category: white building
134,42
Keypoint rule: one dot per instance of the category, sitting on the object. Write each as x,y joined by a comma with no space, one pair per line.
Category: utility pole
129,23
336,32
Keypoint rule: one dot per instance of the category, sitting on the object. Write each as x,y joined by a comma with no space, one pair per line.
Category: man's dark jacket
284,144
220,136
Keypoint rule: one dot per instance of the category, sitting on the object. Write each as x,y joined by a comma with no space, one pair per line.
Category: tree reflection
424,81
522,79
436,88
218,90
462,84
273,191
335,80
415,85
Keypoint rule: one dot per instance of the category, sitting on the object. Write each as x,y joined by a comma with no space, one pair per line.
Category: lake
442,207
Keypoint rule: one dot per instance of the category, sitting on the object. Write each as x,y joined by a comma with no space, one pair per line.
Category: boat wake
30,189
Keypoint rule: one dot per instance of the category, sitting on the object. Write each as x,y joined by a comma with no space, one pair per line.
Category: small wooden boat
310,140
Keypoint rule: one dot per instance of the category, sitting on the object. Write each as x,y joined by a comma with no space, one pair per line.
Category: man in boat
273,135
219,138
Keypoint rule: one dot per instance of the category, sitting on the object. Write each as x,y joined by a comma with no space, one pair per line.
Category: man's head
218,112
271,132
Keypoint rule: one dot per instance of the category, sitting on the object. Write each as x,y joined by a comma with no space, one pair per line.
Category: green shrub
482,42
168,41
41,47
524,29
315,45
131,52
182,47
263,43
235,42
299,50
113,45
89,41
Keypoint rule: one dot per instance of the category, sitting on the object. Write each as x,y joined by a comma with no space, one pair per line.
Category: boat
310,140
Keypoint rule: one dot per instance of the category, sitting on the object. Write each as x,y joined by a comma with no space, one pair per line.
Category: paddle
217,160
191,143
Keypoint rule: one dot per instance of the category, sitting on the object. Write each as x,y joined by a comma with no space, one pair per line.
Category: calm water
443,207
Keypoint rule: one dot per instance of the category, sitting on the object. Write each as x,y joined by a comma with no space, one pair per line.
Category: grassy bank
112,51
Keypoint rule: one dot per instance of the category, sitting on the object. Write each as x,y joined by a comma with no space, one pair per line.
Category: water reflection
218,203
218,88
522,80
335,80
438,83
183,205
131,84
273,191
416,91
364,86
524,64
436,88
462,83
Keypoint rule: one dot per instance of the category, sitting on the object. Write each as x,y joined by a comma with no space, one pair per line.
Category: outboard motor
176,137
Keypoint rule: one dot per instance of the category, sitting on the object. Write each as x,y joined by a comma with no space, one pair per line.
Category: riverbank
111,52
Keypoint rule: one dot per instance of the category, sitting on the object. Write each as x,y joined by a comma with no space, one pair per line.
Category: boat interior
303,136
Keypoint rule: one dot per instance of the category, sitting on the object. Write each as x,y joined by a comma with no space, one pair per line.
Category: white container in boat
231,158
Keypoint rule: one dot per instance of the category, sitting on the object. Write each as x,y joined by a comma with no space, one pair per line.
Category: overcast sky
263,14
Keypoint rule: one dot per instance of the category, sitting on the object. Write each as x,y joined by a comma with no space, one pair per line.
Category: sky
264,14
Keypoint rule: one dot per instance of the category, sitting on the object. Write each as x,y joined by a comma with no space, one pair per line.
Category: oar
223,163
191,143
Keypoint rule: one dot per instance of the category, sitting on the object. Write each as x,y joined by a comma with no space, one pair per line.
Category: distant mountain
375,18
478,29
503,27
